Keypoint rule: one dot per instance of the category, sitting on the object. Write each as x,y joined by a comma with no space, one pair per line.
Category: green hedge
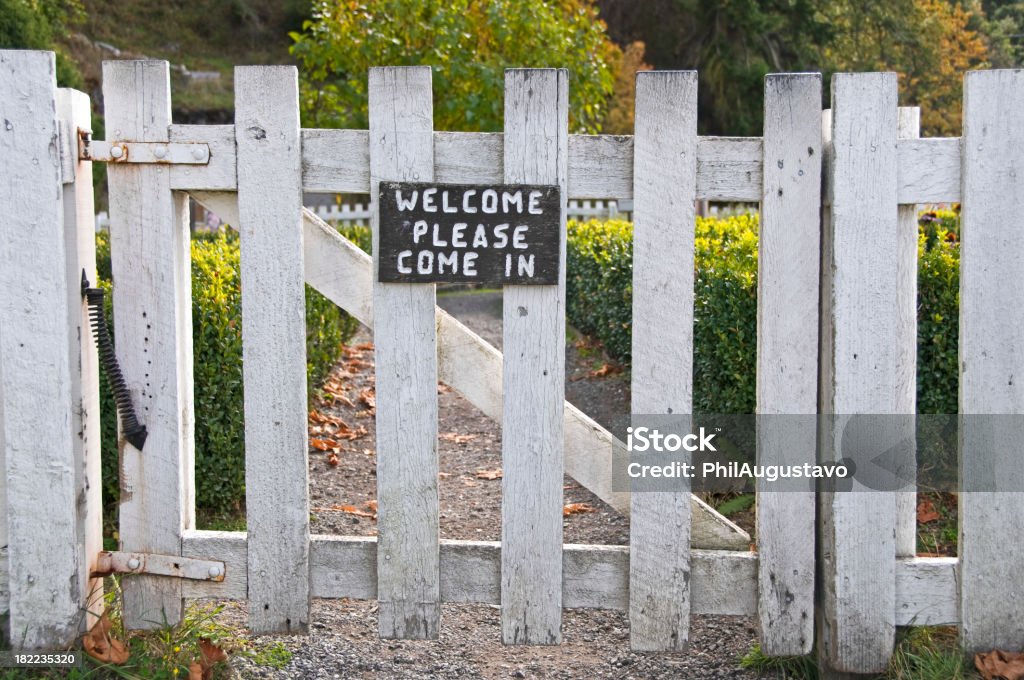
599,297
217,348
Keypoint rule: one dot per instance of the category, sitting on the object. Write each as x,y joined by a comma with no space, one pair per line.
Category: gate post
150,264
45,559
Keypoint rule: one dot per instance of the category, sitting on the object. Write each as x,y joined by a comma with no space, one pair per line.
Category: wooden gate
836,334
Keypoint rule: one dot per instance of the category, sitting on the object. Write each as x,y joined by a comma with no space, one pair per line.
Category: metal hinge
159,565
172,153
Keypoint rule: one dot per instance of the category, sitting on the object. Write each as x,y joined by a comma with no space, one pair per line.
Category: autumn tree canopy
469,45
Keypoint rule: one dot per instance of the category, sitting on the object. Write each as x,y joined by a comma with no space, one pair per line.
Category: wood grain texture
75,112
273,346
664,185
909,121
991,362
926,591
405,340
343,273
536,150
787,367
219,173
856,548
600,166
44,553
149,244
594,576
929,170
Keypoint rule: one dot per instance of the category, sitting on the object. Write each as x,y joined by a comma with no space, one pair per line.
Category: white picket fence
353,214
859,232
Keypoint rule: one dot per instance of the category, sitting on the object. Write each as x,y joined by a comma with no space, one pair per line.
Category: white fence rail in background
874,172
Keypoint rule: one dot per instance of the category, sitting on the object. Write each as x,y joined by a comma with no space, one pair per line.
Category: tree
733,44
36,25
468,44
928,42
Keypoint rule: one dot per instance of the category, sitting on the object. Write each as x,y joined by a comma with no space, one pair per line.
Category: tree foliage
928,42
734,43
468,44
37,25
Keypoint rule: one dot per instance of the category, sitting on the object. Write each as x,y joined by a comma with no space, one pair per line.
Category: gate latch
171,153
159,565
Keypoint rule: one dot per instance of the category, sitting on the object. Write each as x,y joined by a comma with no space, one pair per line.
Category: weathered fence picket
665,184
875,171
273,346
75,113
532,440
787,366
857,550
149,244
991,361
909,125
44,550
405,342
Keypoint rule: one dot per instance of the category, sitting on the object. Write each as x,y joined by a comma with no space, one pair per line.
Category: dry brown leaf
369,398
444,475
605,370
489,474
577,508
353,510
1000,665
366,346
356,365
100,645
365,414
325,444
371,505
442,388
332,459
926,512
457,438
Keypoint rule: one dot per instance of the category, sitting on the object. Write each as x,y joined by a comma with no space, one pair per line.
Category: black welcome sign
461,233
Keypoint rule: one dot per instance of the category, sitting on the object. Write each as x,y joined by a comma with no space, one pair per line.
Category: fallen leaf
489,474
444,475
210,655
577,508
353,510
325,444
100,645
604,370
356,365
1000,665
372,505
457,438
926,512
369,398
442,388
332,459
366,346
365,414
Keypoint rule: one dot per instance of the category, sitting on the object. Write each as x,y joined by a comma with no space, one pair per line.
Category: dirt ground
343,640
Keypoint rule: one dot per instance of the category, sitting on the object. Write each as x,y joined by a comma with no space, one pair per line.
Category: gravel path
343,640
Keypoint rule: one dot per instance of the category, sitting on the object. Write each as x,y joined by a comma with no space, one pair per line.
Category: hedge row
217,350
599,297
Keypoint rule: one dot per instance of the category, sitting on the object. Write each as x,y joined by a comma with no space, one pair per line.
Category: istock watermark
840,453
